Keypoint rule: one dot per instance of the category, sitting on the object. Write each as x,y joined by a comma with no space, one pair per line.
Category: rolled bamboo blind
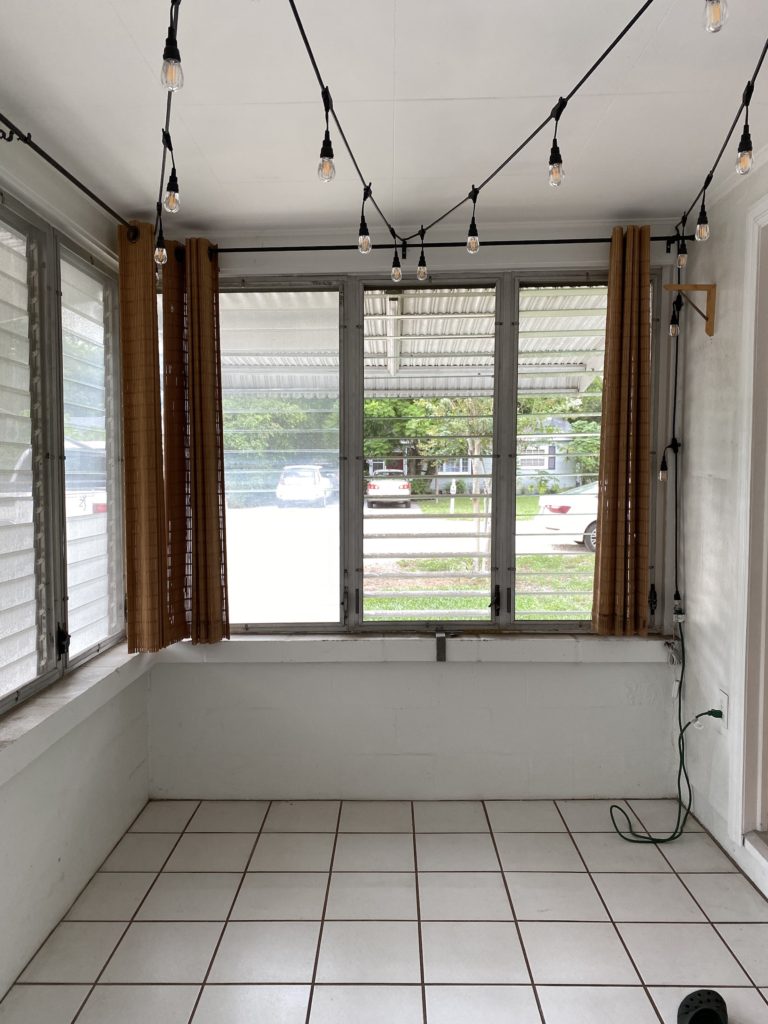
620,605
210,615
176,445
145,522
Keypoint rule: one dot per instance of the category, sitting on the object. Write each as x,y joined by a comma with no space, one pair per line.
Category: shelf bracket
709,316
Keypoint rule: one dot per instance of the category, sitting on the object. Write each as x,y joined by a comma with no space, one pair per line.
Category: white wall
716,475
381,719
61,814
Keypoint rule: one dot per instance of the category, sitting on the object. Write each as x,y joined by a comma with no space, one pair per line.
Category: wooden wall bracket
711,290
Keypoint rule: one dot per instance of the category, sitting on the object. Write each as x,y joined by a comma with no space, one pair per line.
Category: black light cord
683,804
745,101
497,170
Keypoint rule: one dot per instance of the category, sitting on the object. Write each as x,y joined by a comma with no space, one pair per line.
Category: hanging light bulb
682,253
663,469
702,224
473,239
396,273
744,158
172,203
715,14
674,322
363,236
556,172
326,169
172,74
161,253
421,270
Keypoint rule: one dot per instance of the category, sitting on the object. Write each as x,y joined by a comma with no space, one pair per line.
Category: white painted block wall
61,814
246,726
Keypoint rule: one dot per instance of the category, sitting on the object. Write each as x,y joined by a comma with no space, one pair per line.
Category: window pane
20,653
560,390
428,440
280,372
92,505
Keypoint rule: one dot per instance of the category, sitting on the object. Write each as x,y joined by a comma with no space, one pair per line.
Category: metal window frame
351,288
50,427
67,251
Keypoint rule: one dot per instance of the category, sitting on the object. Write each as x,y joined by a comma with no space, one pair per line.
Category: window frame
48,424
351,288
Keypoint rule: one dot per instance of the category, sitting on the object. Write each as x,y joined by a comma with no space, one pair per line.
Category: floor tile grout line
352,984
141,903
518,929
418,914
610,918
708,919
244,875
316,964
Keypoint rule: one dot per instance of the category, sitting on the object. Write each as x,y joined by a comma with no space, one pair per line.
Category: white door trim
749,727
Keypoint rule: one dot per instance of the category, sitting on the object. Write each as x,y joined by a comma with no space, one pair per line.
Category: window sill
360,649
29,730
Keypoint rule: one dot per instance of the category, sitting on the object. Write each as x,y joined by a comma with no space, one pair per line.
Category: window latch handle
495,602
62,642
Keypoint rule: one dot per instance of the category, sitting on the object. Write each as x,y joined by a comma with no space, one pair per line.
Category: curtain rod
26,138
432,245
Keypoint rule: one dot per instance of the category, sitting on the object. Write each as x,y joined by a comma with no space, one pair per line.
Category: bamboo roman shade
174,482
620,605
145,522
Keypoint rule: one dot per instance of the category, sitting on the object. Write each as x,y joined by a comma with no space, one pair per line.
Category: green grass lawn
526,508
556,586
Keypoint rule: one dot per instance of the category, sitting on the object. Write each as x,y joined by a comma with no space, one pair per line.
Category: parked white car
572,514
388,487
303,485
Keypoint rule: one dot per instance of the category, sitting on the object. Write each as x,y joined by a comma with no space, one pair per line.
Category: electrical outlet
723,705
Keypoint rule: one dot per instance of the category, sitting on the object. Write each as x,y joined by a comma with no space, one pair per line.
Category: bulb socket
745,143
326,150
171,51
173,181
363,227
555,157
472,233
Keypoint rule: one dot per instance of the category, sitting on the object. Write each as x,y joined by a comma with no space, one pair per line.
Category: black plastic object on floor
703,1007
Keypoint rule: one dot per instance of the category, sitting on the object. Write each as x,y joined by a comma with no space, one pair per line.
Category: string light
421,270
363,235
556,172
682,251
172,73
161,253
396,273
702,224
326,169
674,323
663,469
744,158
473,239
715,14
171,202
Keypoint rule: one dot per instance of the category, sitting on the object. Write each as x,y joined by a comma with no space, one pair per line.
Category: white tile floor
532,912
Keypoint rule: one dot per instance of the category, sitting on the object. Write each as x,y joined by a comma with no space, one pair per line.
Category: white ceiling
432,94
